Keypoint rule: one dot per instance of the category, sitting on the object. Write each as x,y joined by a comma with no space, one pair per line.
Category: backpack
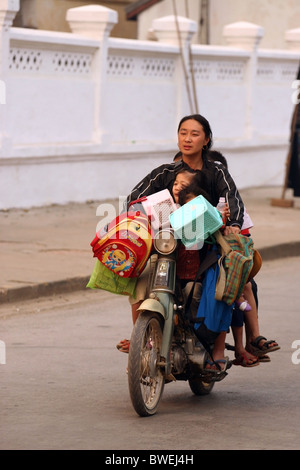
125,248
235,263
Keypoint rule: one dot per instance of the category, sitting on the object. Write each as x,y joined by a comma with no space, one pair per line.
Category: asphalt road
64,384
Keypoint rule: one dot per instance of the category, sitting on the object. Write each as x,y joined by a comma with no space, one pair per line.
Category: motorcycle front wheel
145,378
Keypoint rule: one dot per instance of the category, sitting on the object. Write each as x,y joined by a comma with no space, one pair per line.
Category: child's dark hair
191,190
186,170
197,187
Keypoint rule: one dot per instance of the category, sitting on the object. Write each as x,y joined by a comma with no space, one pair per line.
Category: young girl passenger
244,356
186,187
183,179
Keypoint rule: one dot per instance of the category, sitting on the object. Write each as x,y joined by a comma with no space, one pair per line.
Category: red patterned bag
126,246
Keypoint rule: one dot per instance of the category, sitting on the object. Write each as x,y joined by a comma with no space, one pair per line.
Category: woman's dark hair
204,123
178,156
217,156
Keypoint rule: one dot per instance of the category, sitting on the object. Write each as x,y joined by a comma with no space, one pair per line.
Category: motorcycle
164,347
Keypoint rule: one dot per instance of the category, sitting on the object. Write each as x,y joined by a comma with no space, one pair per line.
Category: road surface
64,384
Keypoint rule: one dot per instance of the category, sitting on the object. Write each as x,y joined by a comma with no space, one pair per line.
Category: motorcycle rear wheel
145,378
199,387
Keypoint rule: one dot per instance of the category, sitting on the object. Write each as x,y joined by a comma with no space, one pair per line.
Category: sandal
218,374
123,346
265,347
216,363
264,358
245,361
261,358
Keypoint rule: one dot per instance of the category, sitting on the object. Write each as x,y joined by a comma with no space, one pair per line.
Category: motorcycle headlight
164,242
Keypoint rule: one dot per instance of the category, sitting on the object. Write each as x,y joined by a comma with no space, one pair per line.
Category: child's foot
245,360
123,346
260,346
217,365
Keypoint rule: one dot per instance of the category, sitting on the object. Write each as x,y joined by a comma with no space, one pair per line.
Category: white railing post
8,10
292,39
95,22
179,31
247,36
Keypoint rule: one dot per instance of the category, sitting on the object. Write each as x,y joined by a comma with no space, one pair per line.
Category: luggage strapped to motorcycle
125,246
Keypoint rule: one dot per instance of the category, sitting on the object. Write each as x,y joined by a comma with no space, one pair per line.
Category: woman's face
191,138
182,181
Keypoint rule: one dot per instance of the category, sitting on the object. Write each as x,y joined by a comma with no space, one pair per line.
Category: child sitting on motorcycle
255,344
250,355
187,186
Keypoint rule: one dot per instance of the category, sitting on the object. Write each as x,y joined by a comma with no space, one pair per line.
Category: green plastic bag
103,278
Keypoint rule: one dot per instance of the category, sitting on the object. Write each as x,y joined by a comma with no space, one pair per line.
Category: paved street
64,384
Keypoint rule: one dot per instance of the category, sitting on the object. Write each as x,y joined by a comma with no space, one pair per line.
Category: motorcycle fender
153,305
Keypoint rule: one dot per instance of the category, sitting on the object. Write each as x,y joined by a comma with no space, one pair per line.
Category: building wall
87,115
189,8
275,16
51,15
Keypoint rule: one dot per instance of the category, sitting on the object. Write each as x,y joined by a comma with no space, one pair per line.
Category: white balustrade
85,116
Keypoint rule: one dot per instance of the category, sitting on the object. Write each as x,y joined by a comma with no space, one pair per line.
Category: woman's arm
226,188
160,178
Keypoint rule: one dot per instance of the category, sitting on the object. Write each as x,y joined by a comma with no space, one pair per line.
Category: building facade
84,115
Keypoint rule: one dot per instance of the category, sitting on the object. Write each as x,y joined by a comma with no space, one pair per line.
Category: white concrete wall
87,116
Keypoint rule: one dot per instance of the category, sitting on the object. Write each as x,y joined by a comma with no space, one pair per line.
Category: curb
283,250
45,289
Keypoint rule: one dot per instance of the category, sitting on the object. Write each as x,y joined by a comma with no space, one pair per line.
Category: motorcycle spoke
145,377
149,356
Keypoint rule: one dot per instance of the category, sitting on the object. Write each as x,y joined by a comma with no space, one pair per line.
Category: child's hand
231,229
225,213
